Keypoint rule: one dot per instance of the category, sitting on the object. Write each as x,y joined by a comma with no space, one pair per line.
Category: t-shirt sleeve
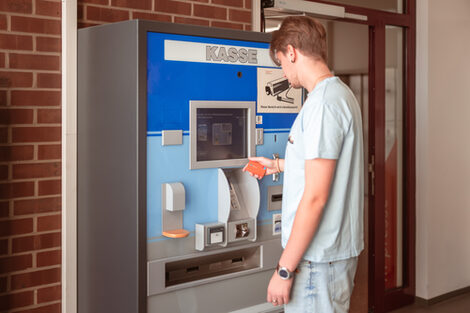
323,132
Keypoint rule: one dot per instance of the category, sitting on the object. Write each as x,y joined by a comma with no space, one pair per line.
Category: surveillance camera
278,86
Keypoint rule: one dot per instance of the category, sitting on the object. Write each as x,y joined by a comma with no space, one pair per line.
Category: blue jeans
322,287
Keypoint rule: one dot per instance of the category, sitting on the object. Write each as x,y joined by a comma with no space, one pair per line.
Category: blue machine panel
171,85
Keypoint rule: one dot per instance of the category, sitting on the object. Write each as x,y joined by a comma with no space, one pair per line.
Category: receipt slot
238,204
167,221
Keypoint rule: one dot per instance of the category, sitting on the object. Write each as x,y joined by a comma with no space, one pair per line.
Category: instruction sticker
275,94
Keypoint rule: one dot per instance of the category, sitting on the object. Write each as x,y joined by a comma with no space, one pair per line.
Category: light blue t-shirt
329,126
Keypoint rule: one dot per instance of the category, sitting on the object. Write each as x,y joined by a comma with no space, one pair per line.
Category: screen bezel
250,131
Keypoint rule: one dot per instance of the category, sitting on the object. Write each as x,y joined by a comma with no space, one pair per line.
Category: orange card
256,169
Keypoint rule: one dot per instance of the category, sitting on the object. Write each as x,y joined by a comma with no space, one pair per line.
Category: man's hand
270,164
279,290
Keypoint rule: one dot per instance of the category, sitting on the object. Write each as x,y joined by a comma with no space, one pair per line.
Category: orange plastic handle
176,233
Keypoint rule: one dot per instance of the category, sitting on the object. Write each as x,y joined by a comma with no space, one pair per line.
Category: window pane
394,157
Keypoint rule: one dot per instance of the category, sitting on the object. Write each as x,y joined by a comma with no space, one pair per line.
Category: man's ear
291,53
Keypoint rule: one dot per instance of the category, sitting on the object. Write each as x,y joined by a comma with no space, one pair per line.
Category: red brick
16,153
36,206
53,308
50,222
16,116
49,258
230,3
15,263
4,212
16,190
3,22
3,284
104,2
16,79
248,4
36,278
201,1
133,4
49,294
3,172
168,6
35,62
226,25
193,21
46,80
36,134
48,44
49,116
17,6
35,98
40,170
35,25
50,187
150,16
210,12
239,16
3,97
106,15
2,59
49,152
48,8
85,25
3,134
16,42
80,12
3,247
38,242
4,209
16,300
16,227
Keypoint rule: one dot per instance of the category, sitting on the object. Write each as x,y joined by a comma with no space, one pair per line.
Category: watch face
283,273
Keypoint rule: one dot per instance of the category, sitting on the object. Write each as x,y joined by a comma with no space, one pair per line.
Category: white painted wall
443,149
69,156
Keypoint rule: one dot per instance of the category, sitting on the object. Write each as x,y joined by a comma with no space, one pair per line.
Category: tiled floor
458,304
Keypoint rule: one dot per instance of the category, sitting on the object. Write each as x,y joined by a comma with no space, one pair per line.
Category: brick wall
30,130
234,14
30,152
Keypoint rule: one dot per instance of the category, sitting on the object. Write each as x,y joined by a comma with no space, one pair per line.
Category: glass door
372,49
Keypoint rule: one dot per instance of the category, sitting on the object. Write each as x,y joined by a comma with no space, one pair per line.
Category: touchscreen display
221,134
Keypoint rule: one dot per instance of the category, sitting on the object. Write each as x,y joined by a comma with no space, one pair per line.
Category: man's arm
272,166
318,177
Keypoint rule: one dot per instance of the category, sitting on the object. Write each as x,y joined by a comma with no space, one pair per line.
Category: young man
322,209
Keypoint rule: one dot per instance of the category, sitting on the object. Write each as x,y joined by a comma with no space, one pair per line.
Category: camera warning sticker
275,94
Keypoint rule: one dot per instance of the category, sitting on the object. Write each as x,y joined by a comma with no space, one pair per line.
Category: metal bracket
276,175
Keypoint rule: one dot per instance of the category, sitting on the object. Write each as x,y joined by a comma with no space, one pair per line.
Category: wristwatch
284,273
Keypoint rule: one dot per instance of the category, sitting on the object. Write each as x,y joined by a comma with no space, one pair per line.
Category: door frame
381,300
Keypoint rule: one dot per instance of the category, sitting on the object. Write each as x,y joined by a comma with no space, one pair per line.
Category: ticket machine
168,115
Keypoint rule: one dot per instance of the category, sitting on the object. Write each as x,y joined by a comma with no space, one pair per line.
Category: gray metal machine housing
114,260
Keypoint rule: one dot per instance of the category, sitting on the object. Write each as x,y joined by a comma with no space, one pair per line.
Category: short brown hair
303,33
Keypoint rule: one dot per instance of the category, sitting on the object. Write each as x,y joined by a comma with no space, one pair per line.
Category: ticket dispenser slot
204,267
238,204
